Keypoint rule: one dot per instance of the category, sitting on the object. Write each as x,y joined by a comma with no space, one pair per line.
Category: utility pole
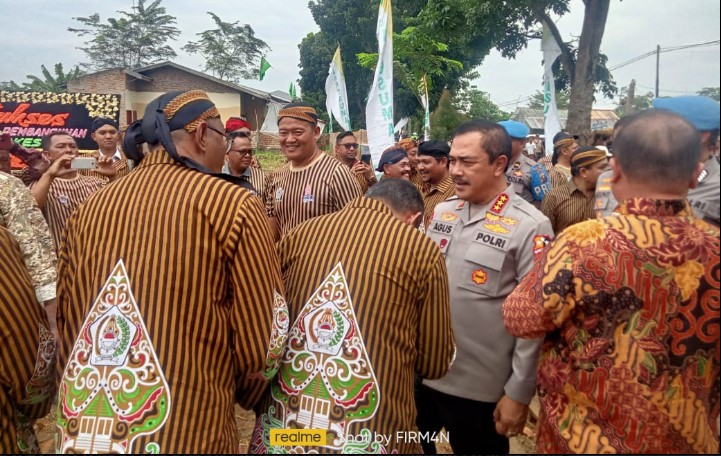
630,95
658,55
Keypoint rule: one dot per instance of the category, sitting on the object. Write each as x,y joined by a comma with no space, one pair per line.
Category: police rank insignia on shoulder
703,175
500,203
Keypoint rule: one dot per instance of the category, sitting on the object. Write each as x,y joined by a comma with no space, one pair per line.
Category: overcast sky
39,35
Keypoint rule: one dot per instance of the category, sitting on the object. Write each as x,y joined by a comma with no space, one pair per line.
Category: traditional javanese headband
299,111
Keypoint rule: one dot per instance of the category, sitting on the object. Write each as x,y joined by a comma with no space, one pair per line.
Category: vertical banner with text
379,110
336,100
551,124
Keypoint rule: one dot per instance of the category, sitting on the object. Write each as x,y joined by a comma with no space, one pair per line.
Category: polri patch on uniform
308,194
490,240
443,245
479,277
540,242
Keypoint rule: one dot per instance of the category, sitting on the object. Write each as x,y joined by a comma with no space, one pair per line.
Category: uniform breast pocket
482,270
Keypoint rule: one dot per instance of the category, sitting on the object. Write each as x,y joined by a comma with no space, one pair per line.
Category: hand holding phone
84,163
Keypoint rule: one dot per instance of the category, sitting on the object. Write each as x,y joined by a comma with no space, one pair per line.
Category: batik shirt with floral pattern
630,363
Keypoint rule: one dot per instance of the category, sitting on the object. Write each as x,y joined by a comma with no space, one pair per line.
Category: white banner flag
551,126
379,110
401,123
336,100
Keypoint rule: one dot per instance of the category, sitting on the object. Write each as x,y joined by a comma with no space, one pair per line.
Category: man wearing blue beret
529,179
702,113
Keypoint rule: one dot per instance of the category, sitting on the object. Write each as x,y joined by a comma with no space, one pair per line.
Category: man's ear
200,138
413,219
696,173
500,165
617,171
316,132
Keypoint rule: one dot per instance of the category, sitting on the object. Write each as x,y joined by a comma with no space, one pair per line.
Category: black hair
398,194
342,135
46,140
494,140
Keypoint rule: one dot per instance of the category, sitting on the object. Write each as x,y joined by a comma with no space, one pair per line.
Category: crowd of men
178,278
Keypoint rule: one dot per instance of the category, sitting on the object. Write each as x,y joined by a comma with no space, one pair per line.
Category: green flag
264,65
291,90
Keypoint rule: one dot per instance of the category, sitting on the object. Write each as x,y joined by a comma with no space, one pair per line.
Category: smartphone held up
83,163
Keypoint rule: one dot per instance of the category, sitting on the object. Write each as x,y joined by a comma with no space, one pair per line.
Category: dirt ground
245,420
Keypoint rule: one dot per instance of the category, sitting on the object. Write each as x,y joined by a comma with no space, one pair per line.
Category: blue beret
391,157
701,112
515,129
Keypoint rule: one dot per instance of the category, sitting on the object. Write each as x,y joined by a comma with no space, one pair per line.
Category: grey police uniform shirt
518,175
606,203
705,199
486,257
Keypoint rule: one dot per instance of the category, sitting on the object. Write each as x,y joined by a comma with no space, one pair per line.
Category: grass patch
270,159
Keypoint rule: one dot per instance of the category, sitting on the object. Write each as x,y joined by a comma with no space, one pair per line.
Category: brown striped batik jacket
433,196
64,196
27,353
368,298
169,310
567,205
295,195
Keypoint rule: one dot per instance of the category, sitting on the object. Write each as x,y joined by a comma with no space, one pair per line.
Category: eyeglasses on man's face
349,146
242,152
228,138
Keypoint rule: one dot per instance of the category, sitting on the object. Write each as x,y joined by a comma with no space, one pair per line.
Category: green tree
472,27
711,92
639,103
415,54
446,118
476,104
48,83
232,52
136,39
562,100
350,24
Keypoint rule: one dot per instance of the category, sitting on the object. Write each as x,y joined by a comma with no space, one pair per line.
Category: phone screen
366,158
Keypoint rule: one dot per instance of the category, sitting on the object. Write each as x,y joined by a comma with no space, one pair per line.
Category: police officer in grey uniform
703,113
521,168
489,236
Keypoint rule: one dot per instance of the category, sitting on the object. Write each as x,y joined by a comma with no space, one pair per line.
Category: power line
669,49
628,62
